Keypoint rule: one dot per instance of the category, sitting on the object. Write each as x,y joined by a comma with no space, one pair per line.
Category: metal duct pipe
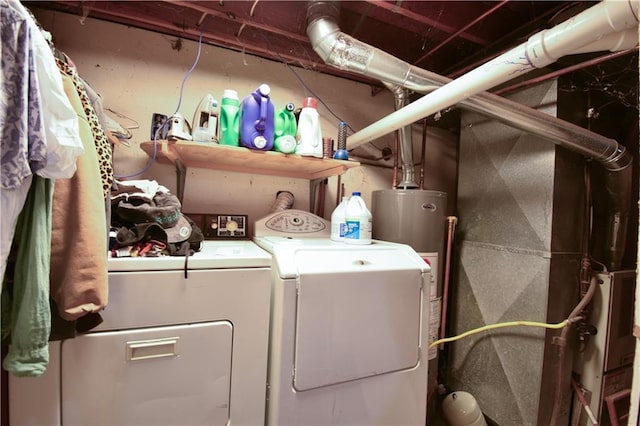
542,49
405,137
345,52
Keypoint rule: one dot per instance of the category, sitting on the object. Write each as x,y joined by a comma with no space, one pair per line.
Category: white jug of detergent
358,221
309,134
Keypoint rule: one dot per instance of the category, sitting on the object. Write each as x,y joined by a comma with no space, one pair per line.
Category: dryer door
164,375
360,320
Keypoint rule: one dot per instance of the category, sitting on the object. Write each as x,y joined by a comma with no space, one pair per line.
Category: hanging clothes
39,143
38,126
26,317
102,144
79,281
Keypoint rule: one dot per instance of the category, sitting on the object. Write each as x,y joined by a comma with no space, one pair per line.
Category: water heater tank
410,216
417,217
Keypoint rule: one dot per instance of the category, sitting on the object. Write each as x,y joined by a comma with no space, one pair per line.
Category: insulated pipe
345,52
405,137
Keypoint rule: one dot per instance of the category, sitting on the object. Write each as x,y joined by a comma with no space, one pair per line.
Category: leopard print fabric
103,146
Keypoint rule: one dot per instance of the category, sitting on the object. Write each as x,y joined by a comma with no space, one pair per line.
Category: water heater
410,216
417,217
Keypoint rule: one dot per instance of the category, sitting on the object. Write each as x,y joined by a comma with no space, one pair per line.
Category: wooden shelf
244,160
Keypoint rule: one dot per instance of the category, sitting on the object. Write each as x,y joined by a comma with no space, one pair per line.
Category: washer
183,341
349,327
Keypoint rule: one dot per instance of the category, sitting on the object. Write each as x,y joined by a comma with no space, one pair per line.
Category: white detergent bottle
358,221
309,134
339,220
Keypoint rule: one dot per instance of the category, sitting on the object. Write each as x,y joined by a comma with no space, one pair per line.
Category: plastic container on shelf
309,134
229,118
358,221
285,130
256,119
339,220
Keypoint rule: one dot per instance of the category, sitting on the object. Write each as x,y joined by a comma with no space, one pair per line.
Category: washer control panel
222,226
296,223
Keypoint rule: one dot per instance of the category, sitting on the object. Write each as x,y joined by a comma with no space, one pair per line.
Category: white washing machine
349,327
184,342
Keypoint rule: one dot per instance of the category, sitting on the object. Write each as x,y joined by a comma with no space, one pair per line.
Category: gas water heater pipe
451,221
345,52
405,138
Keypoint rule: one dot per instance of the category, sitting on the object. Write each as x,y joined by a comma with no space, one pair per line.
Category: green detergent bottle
229,118
285,130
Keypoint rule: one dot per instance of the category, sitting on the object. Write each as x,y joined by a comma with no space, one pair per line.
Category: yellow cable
500,325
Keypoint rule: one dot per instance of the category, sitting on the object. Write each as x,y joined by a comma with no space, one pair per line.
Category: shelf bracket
181,175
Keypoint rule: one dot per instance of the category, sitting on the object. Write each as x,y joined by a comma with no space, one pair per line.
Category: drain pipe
405,137
345,52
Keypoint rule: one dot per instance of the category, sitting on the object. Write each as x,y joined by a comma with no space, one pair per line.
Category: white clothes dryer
349,327
184,342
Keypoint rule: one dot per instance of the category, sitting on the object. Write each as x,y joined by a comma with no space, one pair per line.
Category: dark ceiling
446,37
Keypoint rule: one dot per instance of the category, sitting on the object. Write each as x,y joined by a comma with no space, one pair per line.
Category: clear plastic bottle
309,134
338,220
358,221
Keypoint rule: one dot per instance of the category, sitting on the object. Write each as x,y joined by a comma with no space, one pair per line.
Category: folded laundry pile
146,220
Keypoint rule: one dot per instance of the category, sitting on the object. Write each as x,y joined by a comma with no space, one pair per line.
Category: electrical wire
315,95
557,326
193,67
168,120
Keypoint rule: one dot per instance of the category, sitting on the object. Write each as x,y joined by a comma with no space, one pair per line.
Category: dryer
349,327
183,341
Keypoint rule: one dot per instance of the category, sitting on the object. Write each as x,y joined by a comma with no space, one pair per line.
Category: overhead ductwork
607,25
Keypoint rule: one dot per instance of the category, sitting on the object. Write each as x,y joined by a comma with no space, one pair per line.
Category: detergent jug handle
264,103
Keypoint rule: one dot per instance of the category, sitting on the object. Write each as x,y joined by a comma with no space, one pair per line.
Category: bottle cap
356,193
230,94
289,107
286,144
264,89
260,141
310,103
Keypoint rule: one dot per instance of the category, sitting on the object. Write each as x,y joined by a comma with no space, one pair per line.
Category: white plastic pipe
615,42
543,48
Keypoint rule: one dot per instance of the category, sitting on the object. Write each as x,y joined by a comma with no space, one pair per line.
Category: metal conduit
347,53
405,138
